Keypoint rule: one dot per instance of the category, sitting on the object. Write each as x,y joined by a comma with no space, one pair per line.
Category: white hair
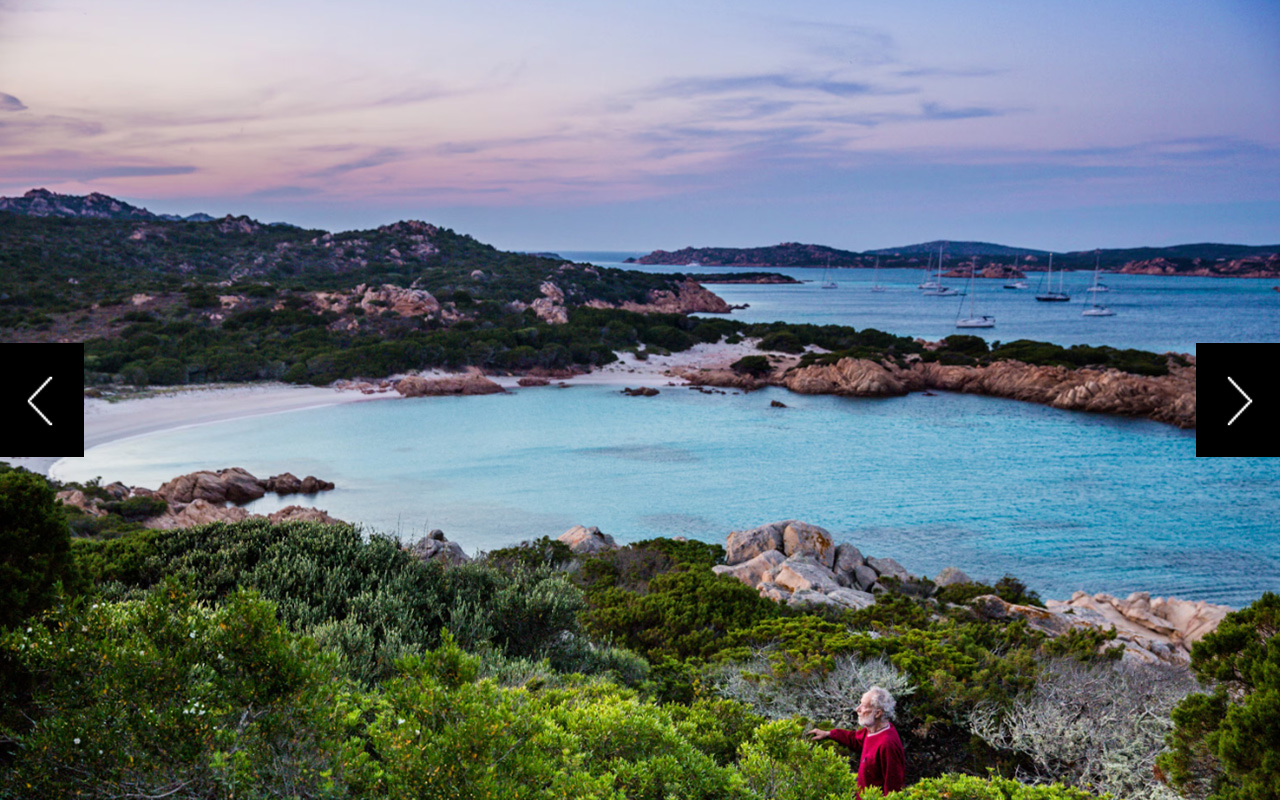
883,700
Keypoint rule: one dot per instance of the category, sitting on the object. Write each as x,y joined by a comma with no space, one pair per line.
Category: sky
571,125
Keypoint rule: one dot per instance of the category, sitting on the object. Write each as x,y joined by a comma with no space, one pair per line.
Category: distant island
992,260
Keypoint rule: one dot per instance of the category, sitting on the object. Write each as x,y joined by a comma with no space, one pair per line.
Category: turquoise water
1063,500
1152,312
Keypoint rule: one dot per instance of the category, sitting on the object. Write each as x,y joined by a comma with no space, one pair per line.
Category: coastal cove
1064,501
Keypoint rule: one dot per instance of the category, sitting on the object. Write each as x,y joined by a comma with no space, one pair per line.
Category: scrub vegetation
172,302
308,660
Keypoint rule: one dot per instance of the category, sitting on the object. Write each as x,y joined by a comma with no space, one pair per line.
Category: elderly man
883,763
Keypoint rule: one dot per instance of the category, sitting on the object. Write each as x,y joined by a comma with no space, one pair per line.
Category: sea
1064,501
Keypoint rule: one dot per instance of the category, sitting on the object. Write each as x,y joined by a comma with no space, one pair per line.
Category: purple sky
585,125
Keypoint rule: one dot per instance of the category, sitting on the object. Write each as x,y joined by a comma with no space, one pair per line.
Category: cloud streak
384,155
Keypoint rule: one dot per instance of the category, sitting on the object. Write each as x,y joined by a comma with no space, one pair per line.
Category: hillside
44,203
960,250
787,254
1210,260
160,301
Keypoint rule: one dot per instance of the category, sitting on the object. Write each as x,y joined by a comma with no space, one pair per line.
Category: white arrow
1248,401
46,383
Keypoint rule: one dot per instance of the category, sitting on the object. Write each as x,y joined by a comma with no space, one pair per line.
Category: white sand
106,421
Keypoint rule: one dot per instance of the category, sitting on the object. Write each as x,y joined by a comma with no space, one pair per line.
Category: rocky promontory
689,298
202,497
797,563
1167,398
469,384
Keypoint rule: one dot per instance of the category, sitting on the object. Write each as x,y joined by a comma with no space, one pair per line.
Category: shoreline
162,408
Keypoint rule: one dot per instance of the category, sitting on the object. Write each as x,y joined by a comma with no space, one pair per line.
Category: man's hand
817,734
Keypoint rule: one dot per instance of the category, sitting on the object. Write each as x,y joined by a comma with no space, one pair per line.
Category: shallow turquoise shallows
1062,500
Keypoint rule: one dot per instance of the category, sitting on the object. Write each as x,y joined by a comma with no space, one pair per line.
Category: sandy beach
167,408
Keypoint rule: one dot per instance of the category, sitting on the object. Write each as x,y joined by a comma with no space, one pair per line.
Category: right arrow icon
1248,401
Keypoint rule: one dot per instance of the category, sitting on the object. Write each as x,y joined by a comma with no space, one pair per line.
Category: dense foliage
1226,744
311,660
235,300
35,546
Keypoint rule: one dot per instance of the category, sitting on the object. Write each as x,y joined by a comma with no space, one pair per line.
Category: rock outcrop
469,384
199,498
582,539
1163,627
690,297
288,483
795,562
1167,398
379,300
89,505
235,485
435,547
550,307
303,514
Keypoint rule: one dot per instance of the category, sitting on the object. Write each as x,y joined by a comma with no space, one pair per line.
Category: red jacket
883,762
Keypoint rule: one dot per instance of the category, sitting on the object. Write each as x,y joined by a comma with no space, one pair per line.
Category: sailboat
1051,296
938,289
974,321
875,286
827,283
929,282
1015,283
1096,310
1097,287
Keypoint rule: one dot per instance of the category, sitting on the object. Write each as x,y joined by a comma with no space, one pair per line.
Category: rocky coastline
1168,398
199,498
800,564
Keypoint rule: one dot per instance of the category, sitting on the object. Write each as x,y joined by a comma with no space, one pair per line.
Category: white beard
866,720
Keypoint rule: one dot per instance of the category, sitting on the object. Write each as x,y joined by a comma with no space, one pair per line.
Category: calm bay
1062,500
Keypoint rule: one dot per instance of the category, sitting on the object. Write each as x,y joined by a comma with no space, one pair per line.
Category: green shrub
777,763
686,613
781,341
1008,588
138,508
994,787
370,601
755,366
35,546
165,693
121,560
968,345
540,552
716,726
1227,743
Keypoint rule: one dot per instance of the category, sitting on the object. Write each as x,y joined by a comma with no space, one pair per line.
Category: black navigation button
1239,409
42,399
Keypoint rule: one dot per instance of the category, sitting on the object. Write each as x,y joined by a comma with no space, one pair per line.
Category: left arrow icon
32,398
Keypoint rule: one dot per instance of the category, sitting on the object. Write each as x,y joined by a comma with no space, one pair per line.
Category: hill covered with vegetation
1211,260
165,302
